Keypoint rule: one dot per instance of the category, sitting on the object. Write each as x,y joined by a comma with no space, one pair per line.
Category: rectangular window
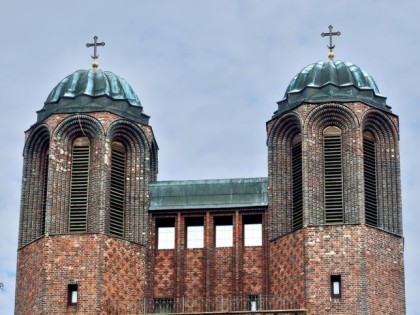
72,294
165,233
253,302
336,286
252,230
195,232
224,231
163,306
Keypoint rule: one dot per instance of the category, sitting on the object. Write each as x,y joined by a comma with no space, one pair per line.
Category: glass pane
166,237
253,234
336,288
224,235
73,297
195,236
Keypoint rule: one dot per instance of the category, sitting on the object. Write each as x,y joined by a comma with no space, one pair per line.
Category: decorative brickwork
109,274
287,268
352,119
385,272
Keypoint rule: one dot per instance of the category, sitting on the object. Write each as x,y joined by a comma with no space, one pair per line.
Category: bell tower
83,234
335,225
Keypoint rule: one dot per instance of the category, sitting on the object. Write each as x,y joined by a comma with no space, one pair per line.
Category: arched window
333,176
116,215
79,185
369,161
297,207
44,191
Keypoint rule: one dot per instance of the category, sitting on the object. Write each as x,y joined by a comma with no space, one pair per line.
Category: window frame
223,221
333,280
71,289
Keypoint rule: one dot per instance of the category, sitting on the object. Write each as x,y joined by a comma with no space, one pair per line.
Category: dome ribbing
329,81
93,91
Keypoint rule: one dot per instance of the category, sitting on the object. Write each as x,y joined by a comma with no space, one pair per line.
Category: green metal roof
209,194
92,91
329,81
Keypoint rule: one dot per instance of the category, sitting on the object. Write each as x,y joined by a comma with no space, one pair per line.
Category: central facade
321,235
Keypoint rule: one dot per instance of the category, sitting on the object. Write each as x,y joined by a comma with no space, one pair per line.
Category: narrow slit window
117,193
297,207
195,232
253,301
44,192
369,161
79,185
252,230
333,179
224,231
72,294
165,228
336,286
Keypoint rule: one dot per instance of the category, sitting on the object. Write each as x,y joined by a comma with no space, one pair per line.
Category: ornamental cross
331,34
95,44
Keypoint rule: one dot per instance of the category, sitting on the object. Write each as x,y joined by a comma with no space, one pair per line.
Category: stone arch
280,139
34,184
342,117
65,133
137,178
385,135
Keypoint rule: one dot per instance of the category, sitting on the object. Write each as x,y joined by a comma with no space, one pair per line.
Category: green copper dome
93,90
331,81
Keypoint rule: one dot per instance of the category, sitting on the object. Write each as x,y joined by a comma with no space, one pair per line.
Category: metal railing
220,304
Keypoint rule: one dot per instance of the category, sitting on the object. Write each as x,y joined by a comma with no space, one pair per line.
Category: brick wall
195,275
385,272
287,270
109,274
353,119
30,279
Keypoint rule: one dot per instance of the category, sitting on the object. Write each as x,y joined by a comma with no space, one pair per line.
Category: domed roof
92,91
329,81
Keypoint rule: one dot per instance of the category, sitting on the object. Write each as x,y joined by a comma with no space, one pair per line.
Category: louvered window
44,192
117,189
297,207
333,181
371,207
79,185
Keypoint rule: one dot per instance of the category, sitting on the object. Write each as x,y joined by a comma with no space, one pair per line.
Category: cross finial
95,55
331,46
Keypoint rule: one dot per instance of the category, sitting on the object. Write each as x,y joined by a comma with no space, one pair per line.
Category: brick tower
335,225
84,220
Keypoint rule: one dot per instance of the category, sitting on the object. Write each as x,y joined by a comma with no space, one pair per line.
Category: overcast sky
209,74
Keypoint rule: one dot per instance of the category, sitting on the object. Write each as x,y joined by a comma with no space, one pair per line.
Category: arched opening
333,175
297,205
44,190
79,185
117,190
369,163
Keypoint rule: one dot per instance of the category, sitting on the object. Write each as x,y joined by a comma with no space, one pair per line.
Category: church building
322,234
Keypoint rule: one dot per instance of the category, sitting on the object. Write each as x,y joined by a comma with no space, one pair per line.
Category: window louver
371,207
297,185
44,193
79,185
117,190
333,183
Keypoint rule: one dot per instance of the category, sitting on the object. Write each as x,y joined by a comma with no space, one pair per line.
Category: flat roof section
209,194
